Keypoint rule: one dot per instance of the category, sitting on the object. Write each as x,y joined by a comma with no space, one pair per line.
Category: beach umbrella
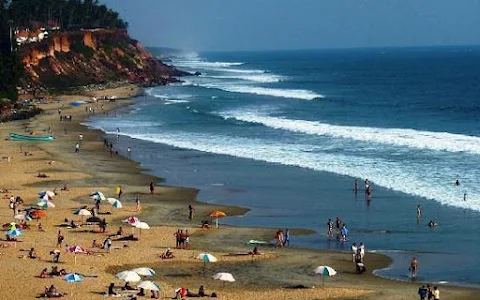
76,250
48,193
132,220
206,257
83,213
19,217
14,233
217,214
73,277
111,200
37,214
144,271
325,271
128,276
45,204
45,197
142,225
98,196
10,226
116,204
225,277
149,285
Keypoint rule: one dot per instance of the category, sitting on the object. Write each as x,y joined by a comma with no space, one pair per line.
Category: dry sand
261,277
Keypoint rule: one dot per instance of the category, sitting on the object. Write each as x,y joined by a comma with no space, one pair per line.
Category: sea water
286,133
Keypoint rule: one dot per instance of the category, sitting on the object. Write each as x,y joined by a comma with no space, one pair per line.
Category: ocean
285,133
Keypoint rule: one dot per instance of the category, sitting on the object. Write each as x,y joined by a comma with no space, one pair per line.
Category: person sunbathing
130,237
42,175
128,287
44,274
255,251
167,254
120,231
95,244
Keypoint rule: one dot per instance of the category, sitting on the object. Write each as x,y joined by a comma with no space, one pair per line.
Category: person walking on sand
77,148
436,293
119,192
152,188
191,210
414,267
137,204
423,292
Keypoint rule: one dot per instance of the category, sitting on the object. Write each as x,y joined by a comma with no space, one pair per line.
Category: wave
263,78
168,102
430,140
262,91
201,64
408,177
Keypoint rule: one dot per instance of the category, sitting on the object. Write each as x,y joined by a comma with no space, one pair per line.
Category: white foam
438,141
200,64
168,102
262,91
409,177
263,78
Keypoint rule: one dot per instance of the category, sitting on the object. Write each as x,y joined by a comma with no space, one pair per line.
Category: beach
95,169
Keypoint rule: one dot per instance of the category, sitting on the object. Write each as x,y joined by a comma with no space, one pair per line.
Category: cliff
69,59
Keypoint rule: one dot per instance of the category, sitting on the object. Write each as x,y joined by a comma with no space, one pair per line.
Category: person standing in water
464,196
414,267
330,228
457,183
355,186
419,212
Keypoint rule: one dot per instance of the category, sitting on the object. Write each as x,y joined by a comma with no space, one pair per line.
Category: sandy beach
95,169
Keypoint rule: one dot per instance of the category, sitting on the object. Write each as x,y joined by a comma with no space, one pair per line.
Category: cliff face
92,57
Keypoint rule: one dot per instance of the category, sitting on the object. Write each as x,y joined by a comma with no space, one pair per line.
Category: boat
21,137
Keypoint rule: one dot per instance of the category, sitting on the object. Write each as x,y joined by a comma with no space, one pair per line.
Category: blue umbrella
73,277
14,233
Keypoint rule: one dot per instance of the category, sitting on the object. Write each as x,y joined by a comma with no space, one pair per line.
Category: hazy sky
299,24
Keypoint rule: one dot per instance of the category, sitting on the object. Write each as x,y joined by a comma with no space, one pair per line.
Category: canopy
144,271
207,257
325,271
217,214
73,277
224,277
128,276
149,285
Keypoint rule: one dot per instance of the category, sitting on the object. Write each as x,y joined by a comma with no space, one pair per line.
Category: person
201,291
191,210
286,238
40,227
355,186
129,152
60,239
187,239
111,292
344,232
366,183
360,267
103,225
457,183
430,292
419,211
120,231
32,254
128,287
177,238
77,148
137,204
354,250
44,274
96,245
141,293
422,292
56,256
436,293
361,247
167,254
152,188
254,251
338,223
464,196
414,267
155,294
107,244
330,228
432,224
120,192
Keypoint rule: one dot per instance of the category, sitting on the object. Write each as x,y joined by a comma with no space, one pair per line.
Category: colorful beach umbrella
128,276
217,214
73,277
144,271
37,214
45,204
224,277
149,285
11,226
132,220
45,197
48,193
14,233
77,249
206,257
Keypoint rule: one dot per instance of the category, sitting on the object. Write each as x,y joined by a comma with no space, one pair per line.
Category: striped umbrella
45,204
98,196
48,193
149,285
206,257
115,203
325,271
144,271
73,277
128,276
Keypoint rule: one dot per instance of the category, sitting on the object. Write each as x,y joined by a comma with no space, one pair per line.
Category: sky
231,25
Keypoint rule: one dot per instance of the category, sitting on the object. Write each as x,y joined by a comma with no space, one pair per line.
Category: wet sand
260,277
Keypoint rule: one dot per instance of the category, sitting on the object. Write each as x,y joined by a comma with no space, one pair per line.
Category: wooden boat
21,137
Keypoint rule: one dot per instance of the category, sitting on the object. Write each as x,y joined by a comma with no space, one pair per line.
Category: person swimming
457,183
432,224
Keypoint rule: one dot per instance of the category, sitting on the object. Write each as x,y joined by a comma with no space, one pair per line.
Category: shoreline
96,170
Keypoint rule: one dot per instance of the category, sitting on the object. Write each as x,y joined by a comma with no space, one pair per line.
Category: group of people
341,227
282,239
182,239
429,293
